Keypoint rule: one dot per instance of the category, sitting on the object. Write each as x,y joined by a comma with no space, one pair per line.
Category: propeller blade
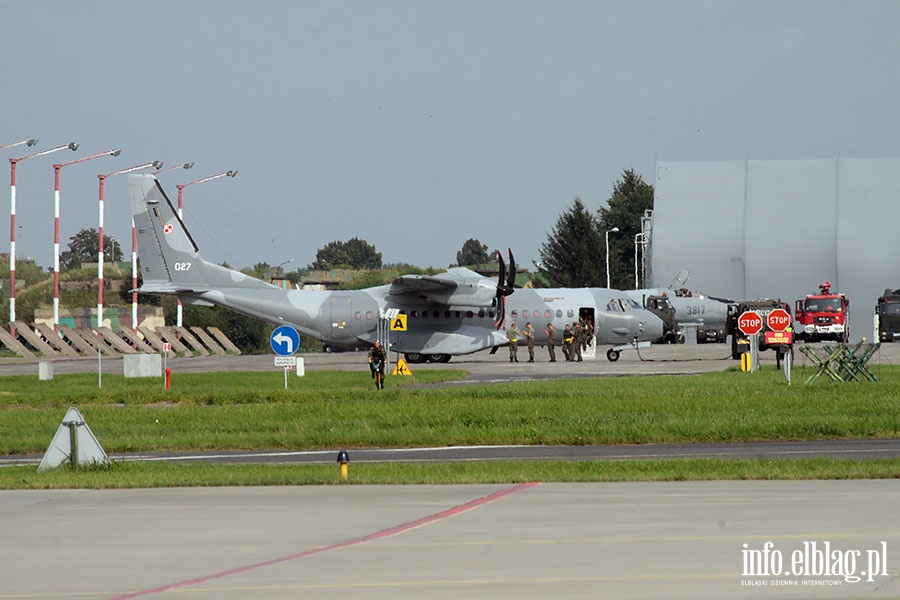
511,275
500,317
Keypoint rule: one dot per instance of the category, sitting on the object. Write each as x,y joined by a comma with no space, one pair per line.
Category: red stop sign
750,322
778,319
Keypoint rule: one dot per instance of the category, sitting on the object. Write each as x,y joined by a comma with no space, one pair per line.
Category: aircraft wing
457,286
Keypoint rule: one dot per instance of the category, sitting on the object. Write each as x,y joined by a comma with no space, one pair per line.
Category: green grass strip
328,410
155,474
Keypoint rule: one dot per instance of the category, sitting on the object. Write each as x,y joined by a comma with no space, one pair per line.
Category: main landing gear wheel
414,357
612,355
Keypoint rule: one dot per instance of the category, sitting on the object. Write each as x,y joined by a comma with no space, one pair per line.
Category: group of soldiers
575,338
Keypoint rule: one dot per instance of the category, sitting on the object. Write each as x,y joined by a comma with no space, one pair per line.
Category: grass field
337,409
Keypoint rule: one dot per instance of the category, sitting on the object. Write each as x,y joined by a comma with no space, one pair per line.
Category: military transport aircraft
454,313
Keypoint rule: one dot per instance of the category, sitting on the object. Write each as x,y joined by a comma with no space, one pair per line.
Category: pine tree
630,198
573,255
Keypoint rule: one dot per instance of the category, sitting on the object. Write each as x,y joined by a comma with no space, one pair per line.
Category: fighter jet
679,307
454,313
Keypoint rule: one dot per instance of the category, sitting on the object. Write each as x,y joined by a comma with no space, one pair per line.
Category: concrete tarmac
610,540
681,359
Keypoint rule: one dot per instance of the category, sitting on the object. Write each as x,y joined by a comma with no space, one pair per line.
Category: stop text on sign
750,322
778,319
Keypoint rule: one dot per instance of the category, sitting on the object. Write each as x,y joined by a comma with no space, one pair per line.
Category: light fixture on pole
12,221
30,142
638,242
181,187
279,272
608,231
173,167
205,179
56,169
156,164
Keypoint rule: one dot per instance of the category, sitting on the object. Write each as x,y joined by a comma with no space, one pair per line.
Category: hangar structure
778,228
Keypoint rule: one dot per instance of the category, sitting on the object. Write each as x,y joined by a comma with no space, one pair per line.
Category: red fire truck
823,316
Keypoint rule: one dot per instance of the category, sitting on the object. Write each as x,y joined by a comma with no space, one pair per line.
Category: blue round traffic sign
285,340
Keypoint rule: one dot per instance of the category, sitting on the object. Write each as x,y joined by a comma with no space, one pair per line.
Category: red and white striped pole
101,255
56,169
100,258
12,222
134,281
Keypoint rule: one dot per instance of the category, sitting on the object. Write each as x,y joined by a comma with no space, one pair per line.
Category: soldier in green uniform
550,332
512,334
528,332
567,338
377,360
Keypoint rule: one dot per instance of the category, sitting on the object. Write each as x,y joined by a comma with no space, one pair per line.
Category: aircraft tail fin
170,259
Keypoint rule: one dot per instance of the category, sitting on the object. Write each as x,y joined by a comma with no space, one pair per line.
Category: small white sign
285,361
167,347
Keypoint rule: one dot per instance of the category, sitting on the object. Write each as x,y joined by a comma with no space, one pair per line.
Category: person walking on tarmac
528,332
551,341
377,360
512,334
567,338
578,339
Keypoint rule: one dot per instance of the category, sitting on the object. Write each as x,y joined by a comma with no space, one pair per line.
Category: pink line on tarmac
384,533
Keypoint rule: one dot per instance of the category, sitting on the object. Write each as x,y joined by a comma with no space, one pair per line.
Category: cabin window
358,315
558,313
415,313
480,314
548,314
570,313
369,315
436,314
469,314
514,314
446,314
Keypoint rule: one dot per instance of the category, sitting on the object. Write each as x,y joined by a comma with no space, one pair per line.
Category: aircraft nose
651,326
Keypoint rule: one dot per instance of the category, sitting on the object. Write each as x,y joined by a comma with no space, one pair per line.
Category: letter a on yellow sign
402,368
398,323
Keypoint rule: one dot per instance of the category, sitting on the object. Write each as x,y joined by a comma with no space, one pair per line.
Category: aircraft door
341,317
587,318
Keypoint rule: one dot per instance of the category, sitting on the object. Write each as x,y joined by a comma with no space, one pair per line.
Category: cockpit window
614,306
631,304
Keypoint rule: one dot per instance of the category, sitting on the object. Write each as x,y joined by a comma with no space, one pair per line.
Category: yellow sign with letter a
398,323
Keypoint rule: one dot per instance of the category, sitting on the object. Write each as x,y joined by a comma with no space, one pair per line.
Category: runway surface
612,540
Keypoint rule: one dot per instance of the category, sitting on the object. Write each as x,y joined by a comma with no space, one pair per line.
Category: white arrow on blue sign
285,340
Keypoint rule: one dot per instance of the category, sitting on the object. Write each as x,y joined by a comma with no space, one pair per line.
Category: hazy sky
416,125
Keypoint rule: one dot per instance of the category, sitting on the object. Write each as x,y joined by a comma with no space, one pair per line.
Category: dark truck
888,311
781,342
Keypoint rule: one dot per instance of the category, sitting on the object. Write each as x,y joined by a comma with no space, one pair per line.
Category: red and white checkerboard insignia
168,228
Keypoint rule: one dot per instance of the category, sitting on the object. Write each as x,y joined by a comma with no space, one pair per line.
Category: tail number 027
182,266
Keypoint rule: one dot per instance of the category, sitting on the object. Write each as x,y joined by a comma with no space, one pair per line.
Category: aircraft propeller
506,284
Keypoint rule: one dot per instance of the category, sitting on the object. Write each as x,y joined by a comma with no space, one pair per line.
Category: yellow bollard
344,460
745,362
